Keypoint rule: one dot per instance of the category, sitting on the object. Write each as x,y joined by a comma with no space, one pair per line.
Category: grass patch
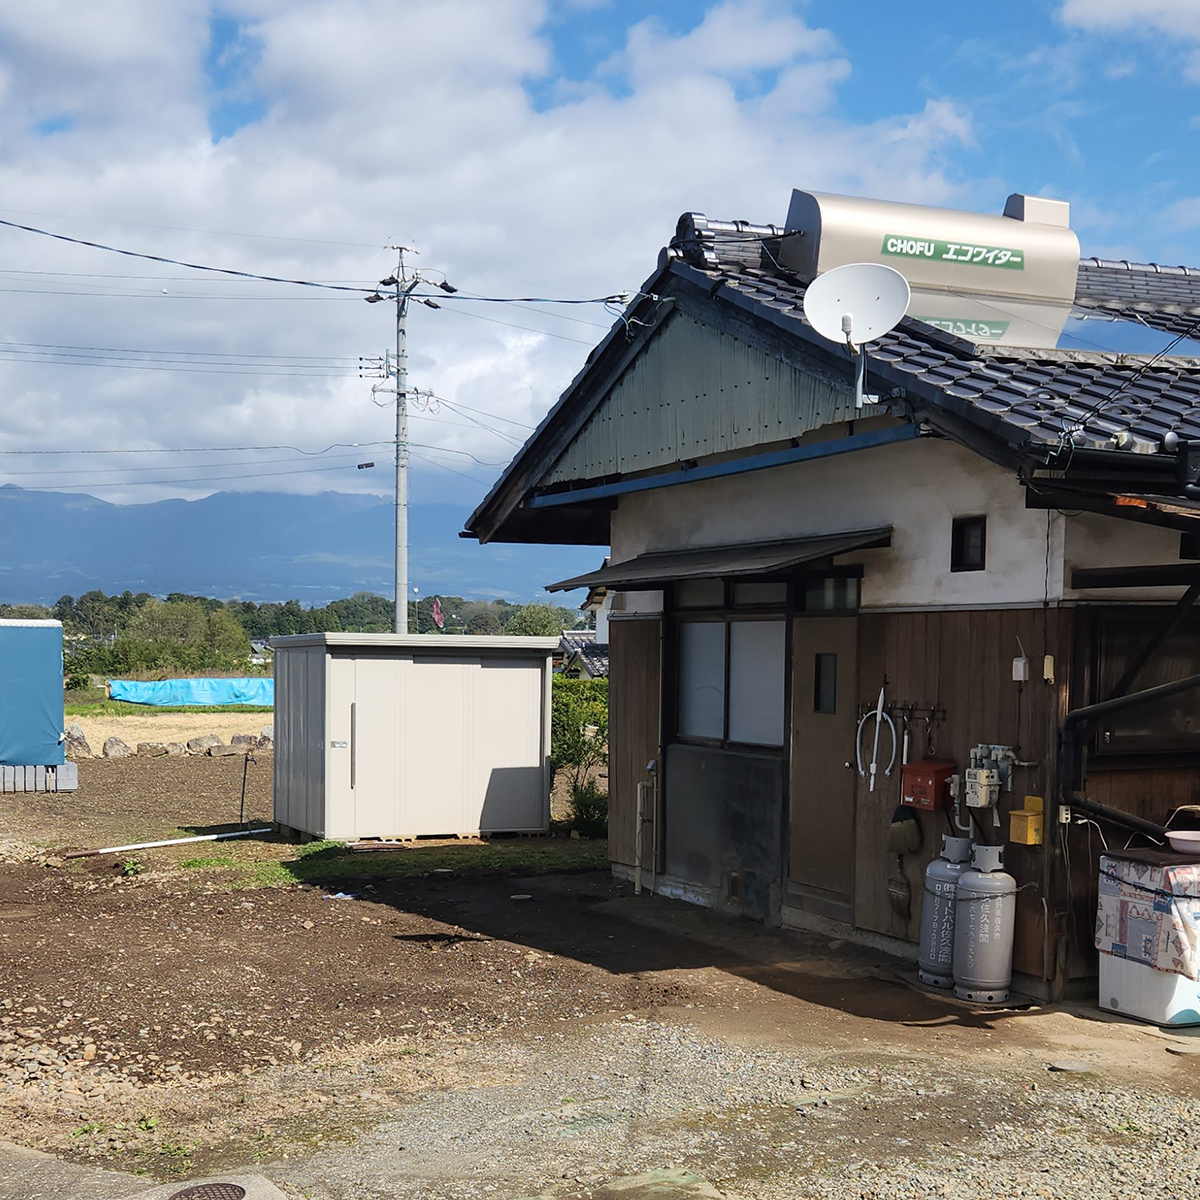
269,863
331,862
122,708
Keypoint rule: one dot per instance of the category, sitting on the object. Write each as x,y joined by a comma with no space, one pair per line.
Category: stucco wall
918,488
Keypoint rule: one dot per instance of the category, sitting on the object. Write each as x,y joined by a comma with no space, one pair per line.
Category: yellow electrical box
1025,825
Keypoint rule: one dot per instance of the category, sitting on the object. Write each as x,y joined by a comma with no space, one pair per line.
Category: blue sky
525,147
1066,103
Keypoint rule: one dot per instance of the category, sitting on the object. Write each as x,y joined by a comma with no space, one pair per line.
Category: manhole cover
211,1191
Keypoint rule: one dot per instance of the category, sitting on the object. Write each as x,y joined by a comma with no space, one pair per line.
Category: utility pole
404,285
402,291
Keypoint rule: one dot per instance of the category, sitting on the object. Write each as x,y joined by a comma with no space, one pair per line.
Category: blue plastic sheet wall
198,693
31,695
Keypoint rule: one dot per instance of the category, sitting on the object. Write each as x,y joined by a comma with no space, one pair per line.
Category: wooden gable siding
634,691
962,662
694,391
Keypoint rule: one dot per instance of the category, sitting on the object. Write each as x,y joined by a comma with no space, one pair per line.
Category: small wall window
756,593
968,544
700,593
831,593
825,683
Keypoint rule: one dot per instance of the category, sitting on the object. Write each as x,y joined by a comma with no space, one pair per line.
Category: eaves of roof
619,346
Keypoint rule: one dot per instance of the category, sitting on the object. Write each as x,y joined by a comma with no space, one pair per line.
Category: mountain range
257,546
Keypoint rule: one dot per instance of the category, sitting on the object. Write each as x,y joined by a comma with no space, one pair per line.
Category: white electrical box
1021,670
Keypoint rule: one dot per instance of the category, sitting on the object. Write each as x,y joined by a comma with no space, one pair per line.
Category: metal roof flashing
445,644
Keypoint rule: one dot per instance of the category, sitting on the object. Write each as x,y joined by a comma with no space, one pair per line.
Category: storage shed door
509,779
376,747
437,732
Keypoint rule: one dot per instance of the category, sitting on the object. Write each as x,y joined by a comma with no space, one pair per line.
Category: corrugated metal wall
300,738
695,391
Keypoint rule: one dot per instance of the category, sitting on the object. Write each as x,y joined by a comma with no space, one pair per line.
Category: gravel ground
577,1108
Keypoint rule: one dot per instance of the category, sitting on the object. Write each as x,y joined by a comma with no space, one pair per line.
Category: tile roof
577,639
594,658
1033,397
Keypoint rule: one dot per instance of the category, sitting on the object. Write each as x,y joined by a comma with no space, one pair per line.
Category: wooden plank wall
634,692
961,661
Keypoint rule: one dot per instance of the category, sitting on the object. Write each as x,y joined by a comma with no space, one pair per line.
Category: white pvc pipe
203,837
637,838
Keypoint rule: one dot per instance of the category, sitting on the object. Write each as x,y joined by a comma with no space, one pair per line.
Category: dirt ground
504,1034
169,727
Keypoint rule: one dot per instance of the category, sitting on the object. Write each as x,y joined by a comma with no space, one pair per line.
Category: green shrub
589,810
579,726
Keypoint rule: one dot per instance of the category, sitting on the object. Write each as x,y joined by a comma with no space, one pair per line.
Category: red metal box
925,784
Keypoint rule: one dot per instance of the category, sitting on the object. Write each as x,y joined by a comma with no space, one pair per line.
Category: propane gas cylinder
936,961
985,903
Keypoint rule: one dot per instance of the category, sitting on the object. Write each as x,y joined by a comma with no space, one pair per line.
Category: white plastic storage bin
1136,990
412,735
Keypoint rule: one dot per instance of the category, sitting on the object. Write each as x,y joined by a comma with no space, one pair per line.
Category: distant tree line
140,633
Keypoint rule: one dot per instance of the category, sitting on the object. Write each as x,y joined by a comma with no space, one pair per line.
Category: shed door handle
353,742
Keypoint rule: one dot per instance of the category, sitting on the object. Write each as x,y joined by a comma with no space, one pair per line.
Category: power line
195,369
462,453
194,353
175,262
433,462
202,479
204,449
269,237
562,337
56,471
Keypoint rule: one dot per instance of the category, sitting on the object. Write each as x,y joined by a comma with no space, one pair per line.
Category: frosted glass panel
702,679
700,593
756,669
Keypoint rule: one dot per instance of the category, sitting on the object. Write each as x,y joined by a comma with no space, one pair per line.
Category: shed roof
445,645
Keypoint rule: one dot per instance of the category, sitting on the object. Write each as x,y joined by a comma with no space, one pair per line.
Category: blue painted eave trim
722,470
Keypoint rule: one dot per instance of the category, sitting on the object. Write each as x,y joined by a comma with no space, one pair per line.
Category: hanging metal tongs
880,717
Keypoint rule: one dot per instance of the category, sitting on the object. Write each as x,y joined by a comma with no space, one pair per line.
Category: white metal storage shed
383,735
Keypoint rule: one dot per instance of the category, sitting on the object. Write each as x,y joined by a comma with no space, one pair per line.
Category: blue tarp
199,693
31,694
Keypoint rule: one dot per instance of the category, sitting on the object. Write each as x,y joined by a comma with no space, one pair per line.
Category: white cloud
1147,18
1180,17
384,122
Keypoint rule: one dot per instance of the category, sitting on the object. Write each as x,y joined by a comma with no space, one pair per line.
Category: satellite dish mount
856,304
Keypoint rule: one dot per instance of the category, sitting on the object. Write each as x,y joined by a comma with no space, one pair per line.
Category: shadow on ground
590,917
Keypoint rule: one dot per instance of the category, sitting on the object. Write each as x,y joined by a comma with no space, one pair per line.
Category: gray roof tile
1033,392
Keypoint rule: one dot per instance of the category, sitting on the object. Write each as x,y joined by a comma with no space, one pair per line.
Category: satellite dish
857,303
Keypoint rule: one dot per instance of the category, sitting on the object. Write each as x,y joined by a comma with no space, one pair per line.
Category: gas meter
983,786
990,770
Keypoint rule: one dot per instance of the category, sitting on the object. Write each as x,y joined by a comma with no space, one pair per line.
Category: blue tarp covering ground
197,693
